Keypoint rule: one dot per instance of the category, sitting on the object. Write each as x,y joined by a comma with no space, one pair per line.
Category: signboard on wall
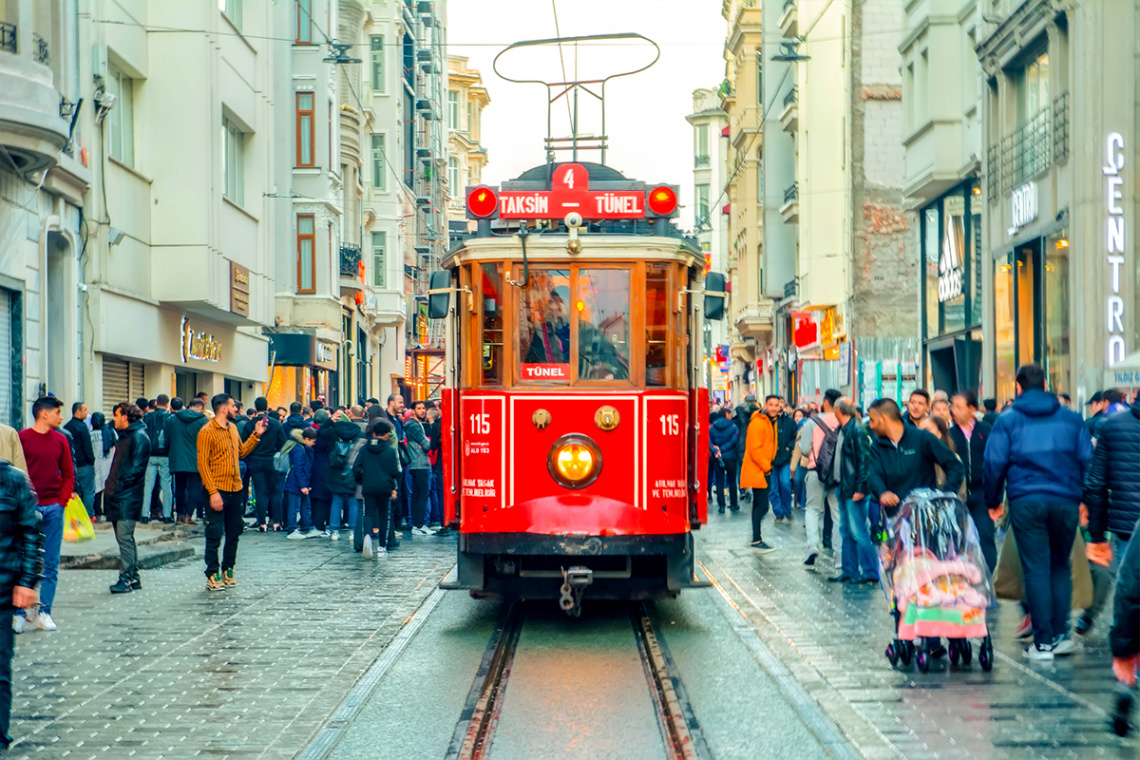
239,290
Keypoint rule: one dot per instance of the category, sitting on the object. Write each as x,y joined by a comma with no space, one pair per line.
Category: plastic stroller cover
933,569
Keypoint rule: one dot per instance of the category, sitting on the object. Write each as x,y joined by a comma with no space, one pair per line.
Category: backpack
156,431
281,461
825,460
340,456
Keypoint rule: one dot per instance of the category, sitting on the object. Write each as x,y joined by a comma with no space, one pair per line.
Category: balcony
790,115
755,320
40,50
1030,150
790,19
7,37
790,211
32,130
351,268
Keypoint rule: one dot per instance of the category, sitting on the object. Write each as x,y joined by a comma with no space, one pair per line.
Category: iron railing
350,260
1061,128
790,98
40,46
701,161
7,37
792,193
1028,151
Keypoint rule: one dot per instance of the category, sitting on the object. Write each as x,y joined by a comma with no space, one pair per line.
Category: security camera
82,287
573,220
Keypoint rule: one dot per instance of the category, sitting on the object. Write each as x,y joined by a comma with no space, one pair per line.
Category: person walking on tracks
852,471
219,451
123,494
756,467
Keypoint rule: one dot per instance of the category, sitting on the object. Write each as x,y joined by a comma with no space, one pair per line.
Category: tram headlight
574,461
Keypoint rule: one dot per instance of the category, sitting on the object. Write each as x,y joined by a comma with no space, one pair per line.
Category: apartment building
466,157
710,175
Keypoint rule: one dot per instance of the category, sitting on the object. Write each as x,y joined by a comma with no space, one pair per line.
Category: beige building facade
466,157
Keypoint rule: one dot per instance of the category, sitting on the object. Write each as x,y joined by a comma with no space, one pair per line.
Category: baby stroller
935,579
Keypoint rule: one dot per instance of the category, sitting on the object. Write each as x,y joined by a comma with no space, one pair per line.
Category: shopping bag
1009,580
76,524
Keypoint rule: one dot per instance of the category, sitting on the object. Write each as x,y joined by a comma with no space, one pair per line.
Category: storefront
950,246
304,368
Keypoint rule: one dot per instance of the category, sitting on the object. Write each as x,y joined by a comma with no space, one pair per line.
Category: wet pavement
776,661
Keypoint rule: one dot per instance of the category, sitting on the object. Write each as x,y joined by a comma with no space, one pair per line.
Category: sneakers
841,578
1122,701
381,552
1084,625
811,558
312,533
136,585
334,535
122,586
367,550
277,527
228,577
44,622
19,623
1038,653
762,547
262,529
324,533
1025,630
1063,645
296,536
425,531
215,583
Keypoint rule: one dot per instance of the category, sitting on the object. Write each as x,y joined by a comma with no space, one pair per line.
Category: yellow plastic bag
76,524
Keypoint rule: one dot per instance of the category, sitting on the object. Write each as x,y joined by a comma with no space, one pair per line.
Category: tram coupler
574,582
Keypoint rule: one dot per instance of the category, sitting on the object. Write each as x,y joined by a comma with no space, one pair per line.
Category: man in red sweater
52,475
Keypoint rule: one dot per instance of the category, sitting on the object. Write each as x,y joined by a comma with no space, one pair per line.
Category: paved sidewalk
833,638
158,544
177,672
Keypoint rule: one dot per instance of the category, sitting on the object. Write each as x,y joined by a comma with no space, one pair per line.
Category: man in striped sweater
219,449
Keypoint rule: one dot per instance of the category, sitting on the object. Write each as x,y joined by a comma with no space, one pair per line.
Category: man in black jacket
1112,496
266,484
82,455
858,563
182,433
780,486
903,457
970,437
159,464
21,567
123,493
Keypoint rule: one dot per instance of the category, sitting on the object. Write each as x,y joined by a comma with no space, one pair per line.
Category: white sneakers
297,536
334,535
45,623
423,532
42,621
1038,653
312,533
1064,645
19,623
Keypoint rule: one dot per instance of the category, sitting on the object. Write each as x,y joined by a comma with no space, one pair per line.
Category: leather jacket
854,460
123,493
21,533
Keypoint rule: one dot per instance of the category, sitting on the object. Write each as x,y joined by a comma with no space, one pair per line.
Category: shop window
1027,293
306,147
1005,362
952,262
1058,359
491,291
602,307
306,261
930,257
656,324
544,327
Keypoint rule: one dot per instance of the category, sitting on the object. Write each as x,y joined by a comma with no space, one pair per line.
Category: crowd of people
1037,470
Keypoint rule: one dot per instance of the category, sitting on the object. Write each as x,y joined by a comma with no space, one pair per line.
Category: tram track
475,731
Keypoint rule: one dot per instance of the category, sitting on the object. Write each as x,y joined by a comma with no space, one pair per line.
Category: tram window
491,289
544,326
603,324
656,324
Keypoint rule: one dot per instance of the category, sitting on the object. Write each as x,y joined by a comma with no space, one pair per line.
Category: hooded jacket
295,422
903,467
376,468
724,434
1037,450
123,493
1112,486
338,479
759,449
268,445
21,533
300,468
182,432
418,445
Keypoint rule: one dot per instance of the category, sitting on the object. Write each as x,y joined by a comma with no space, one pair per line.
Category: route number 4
481,424
670,424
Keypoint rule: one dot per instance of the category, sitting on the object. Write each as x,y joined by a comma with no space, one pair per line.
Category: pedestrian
320,499
756,466
905,458
940,408
798,471
434,431
1039,454
420,467
394,412
742,415
356,414
159,466
1124,638
991,415
723,438
344,440
376,470
11,450
124,491
295,420
266,484
1096,405
83,456
205,399
1112,497
970,436
917,407
21,551
852,465
298,486
182,434
1114,404
817,496
1066,400
282,414
219,451
103,440
53,477
781,485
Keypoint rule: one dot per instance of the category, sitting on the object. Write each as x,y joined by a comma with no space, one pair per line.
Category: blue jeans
435,497
801,498
294,503
339,502
53,540
1045,532
858,552
781,489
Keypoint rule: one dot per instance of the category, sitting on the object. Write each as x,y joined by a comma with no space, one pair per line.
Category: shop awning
1126,374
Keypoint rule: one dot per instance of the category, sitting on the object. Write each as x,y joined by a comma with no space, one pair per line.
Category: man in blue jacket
1038,454
723,437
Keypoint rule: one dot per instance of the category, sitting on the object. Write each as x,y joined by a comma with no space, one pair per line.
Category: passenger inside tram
544,335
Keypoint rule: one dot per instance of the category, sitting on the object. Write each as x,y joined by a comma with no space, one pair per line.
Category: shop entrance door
185,385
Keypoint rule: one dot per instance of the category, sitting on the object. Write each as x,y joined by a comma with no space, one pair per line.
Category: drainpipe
50,224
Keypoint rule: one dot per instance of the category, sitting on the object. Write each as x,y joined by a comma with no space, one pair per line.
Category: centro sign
1022,206
1114,193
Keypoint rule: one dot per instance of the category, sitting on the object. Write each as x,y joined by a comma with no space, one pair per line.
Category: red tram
576,438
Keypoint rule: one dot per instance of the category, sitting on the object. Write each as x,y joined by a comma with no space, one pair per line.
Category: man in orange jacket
759,450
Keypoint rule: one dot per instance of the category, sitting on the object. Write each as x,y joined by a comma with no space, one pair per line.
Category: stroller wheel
923,661
954,653
906,653
986,654
967,652
892,654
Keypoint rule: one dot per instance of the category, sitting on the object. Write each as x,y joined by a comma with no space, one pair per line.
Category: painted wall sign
200,346
1115,348
1023,206
239,290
